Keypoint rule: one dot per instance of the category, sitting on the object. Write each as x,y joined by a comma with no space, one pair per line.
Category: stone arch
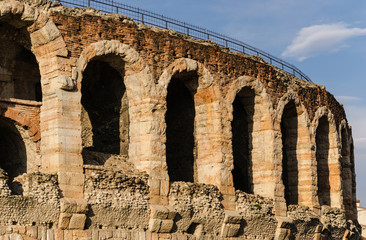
20,137
136,83
41,39
180,65
325,138
200,91
298,163
24,121
138,77
12,149
258,110
346,168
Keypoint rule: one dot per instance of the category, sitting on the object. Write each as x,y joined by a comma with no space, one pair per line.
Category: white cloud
348,98
360,139
313,40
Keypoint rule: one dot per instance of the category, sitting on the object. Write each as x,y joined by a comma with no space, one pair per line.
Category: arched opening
242,127
347,174
353,207
19,70
13,156
179,118
290,172
322,156
104,118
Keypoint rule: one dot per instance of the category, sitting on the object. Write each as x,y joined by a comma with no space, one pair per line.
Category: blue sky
325,39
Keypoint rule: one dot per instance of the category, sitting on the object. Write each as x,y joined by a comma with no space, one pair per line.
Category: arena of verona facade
112,129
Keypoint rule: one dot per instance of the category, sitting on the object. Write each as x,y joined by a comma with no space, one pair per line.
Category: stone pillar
146,149
210,150
61,141
60,119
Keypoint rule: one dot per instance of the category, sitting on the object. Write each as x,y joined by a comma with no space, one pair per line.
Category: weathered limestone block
154,225
161,218
5,8
46,34
283,231
73,213
64,220
16,7
166,226
231,225
318,233
30,14
283,234
77,221
71,205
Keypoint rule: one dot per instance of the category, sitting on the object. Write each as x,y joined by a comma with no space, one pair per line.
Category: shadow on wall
105,120
13,156
290,171
179,118
322,155
242,128
18,67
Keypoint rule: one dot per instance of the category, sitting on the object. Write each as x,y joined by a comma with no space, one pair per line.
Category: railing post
88,3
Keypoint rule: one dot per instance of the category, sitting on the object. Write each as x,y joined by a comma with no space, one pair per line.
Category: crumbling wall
198,205
259,215
38,204
116,200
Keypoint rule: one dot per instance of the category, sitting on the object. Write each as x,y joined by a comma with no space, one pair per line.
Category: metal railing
158,20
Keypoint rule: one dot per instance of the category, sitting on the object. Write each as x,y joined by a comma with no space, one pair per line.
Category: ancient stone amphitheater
111,129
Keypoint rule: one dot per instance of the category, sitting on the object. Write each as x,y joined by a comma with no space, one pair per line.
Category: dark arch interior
20,75
353,206
27,79
180,114
104,99
322,154
290,172
347,173
345,147
13,157
242,126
